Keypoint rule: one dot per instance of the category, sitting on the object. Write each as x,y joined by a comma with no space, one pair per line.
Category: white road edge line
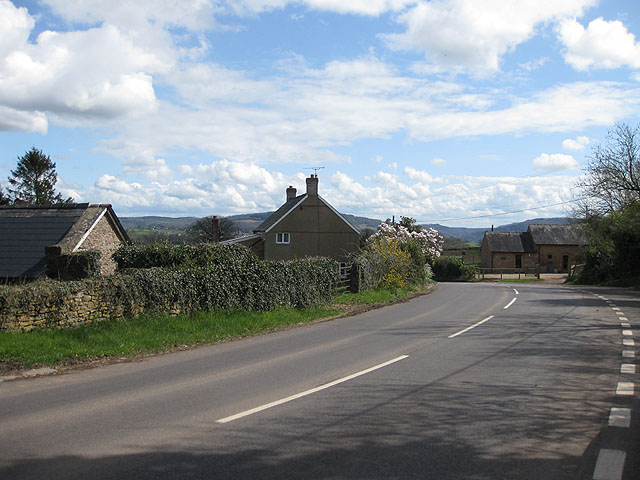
472,326
609,465
510,303
309,392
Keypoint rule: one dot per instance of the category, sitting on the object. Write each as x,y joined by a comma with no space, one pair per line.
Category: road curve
480,381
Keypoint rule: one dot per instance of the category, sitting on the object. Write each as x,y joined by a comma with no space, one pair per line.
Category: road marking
625,324
515,291
628,342
620,417
309,392
627,333
615,308
623,318
628,368
604,298
510,303
609,465
472,326
624,388
620,314
628,354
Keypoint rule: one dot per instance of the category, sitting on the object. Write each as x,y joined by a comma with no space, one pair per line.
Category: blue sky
449,111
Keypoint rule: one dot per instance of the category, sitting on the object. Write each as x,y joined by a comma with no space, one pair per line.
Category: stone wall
75,306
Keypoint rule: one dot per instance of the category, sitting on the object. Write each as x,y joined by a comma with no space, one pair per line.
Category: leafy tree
202,229
34,179
613,171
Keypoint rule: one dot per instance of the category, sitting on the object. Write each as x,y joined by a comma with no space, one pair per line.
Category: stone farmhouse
34,237
553,247
304,226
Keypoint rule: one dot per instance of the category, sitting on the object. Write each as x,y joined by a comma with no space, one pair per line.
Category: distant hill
247,222
476,234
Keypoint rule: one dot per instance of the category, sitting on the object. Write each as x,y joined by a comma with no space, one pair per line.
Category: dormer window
283,238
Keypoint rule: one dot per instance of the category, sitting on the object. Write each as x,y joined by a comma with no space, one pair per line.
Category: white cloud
578,144
438,162
476,34
420,176
556,161
603,44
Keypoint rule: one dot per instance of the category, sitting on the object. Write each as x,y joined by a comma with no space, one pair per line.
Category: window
518,261
283,237
550,257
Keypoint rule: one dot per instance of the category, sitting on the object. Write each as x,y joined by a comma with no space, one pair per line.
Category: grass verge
123,339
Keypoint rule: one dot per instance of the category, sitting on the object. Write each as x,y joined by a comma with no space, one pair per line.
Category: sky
459,112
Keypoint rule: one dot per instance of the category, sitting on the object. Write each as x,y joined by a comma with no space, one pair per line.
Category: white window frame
283,238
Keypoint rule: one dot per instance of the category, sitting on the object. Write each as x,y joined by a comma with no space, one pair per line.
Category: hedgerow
199,279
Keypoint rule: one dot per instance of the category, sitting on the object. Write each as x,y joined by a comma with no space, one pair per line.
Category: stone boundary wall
78,304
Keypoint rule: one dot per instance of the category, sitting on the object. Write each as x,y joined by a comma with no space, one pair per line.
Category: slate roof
25,231
279,214
514,242
557,234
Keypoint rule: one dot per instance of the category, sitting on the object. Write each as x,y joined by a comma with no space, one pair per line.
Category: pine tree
34,179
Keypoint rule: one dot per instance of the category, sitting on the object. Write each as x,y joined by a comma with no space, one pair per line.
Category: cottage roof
26,230
514,242
279,214
288,207
557,234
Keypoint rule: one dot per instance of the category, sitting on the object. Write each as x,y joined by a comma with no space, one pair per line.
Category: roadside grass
148,334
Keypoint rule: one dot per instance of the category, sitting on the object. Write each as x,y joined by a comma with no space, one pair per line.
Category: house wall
556,252
315,230
104,239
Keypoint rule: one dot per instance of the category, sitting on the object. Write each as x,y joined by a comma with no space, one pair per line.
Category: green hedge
232,278
452,269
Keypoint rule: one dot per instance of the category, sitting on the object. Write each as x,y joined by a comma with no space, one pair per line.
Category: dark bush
452,269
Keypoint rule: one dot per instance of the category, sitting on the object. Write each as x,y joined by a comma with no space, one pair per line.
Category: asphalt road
407,391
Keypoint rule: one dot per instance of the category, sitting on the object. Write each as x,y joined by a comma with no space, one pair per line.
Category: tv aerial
315,169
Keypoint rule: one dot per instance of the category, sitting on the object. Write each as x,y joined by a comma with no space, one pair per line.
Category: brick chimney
312,185
291,193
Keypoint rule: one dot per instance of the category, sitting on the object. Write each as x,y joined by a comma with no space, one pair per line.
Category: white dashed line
627,333
308,392
624,388
515,291
625,324
623,318
609,465
615,308
620,417
628,354
628,368
469,328
510,303
628,342
620,314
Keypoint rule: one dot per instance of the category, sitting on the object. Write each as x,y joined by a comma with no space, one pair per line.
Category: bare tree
613,171
204,229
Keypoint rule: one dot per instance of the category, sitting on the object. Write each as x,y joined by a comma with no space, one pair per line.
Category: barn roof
515,242
557,234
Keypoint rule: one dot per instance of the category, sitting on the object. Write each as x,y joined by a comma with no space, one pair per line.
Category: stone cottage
553,247
33,236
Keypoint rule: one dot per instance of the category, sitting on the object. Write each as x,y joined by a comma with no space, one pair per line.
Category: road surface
474,381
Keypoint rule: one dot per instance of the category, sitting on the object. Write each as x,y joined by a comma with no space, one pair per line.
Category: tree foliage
202,229
34,179
613,172
611,209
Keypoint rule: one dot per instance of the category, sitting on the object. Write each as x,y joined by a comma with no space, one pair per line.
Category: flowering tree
429,241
